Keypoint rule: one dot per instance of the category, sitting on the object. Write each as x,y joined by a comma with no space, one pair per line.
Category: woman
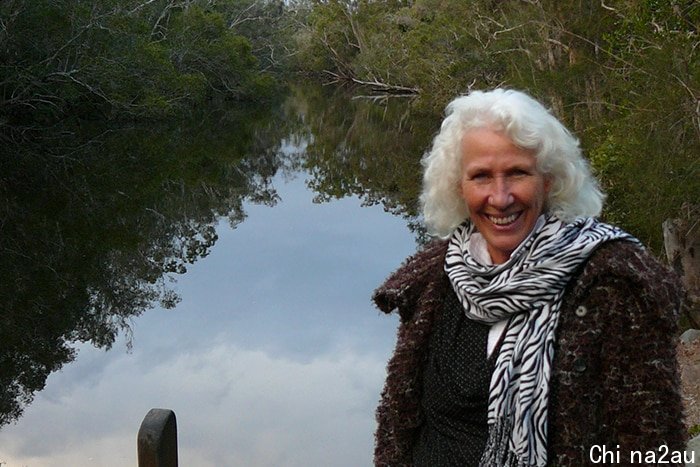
533,334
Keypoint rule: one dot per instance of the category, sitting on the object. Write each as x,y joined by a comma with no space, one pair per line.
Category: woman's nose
500,196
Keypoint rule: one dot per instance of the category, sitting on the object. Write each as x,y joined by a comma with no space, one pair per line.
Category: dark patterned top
455,391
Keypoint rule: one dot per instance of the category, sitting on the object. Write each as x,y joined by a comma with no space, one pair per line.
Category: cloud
234,407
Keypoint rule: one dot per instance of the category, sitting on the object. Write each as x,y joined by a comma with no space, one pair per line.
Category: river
267,348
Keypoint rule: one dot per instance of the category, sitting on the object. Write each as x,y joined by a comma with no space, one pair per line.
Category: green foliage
60,58
694,431
96,219
200,43
328,46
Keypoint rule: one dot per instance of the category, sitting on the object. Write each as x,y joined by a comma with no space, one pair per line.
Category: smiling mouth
504,220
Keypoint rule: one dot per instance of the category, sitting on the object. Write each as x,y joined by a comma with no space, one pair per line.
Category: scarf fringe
498,452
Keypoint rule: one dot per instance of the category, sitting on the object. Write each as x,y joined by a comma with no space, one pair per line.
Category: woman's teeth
503,220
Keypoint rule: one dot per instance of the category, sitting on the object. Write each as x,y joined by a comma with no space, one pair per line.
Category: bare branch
598,48
355,32
165,15
387,87
87,86
68,43
240,18
609,8
140,7
503,31
559,43
695,98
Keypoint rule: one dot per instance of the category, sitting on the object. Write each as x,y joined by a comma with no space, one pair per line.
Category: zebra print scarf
527,289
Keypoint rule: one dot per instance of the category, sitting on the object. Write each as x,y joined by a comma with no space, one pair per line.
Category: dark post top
157,439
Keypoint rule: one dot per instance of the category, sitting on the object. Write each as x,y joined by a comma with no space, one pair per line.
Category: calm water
275,355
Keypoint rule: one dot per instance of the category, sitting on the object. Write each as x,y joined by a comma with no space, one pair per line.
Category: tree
148,58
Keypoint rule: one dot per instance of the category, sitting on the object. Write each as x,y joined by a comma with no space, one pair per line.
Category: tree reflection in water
92,229
368,146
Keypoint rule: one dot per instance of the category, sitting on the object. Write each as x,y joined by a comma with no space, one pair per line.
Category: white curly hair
574,191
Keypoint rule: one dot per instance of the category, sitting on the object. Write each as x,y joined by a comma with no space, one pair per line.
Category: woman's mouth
503,220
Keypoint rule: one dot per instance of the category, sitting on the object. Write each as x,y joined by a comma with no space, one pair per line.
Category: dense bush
66,58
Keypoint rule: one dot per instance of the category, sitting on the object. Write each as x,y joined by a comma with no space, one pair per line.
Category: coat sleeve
615,378
416,292
641,400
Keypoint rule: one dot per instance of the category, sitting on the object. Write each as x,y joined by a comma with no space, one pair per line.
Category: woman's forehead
481,142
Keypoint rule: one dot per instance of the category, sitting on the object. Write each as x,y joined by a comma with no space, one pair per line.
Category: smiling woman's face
502,188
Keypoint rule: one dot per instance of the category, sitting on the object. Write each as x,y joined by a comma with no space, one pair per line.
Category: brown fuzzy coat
614,377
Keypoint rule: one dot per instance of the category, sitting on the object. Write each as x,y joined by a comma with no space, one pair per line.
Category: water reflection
95,221
274,356
365,146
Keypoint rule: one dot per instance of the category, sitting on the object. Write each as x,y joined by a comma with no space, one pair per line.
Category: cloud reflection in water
274,357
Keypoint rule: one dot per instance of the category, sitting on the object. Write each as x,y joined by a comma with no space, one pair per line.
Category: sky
274,357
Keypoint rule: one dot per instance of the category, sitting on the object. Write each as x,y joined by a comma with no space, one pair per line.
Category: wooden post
157,439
